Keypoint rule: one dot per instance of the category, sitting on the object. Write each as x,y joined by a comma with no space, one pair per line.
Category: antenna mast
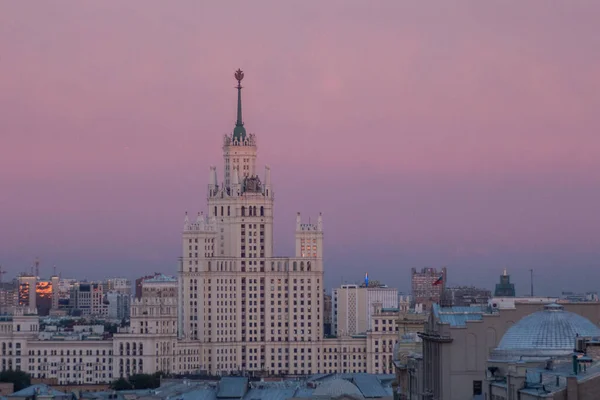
2,272
37,267
531,272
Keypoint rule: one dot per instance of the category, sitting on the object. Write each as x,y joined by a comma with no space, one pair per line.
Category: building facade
428,286
235,307
465,296
118,285
119,305
504,288
457,342
353,306
241,305
8,296
87,298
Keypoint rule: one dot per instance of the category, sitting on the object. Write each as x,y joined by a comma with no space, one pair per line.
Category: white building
73,358
118,285
149,345
119,305
87,298
234,307
243,307
353,306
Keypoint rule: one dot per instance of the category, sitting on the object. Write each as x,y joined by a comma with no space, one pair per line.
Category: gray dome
335,388
548,333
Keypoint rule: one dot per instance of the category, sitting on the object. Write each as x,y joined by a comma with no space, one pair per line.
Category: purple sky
464,134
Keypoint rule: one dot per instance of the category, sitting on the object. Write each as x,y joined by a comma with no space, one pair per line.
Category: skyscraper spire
239,132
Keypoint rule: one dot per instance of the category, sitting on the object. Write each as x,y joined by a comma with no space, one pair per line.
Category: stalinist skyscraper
241,308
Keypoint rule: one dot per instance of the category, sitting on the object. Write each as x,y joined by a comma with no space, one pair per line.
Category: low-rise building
119,305
466,296
353,307
428,287
458,340
548,354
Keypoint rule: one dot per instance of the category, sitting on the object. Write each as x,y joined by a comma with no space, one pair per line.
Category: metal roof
161,278
370,386
360,384
200,394
38,390
231,387
458,316
550,332
334,388
270,394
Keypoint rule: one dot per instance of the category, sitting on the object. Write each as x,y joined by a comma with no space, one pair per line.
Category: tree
145,381
121,384
110,327
19,379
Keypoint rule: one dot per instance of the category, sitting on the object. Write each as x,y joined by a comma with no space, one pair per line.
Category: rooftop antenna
37,266
54,270
531,272
2,272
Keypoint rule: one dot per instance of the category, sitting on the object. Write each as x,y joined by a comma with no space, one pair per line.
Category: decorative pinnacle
239,132
239,75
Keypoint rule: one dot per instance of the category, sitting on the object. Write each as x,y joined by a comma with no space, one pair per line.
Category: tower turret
267,187
239,148
212,181
186,222
235,183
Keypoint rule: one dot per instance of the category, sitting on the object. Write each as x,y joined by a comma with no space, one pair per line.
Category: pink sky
464,134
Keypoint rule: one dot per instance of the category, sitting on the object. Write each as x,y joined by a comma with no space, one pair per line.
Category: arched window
302,266
308,265
222,211
228,211
295,266
255,211
216,211
243,211
262,211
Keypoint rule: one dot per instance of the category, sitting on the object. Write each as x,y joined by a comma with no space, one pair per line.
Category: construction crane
2,272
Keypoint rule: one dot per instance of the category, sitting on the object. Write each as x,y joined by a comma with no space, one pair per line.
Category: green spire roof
239,132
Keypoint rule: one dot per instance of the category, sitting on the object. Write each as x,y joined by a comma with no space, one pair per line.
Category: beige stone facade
455,354
353,306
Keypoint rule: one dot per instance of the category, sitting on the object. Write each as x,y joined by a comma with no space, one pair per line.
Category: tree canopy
19,379
138,382
121,384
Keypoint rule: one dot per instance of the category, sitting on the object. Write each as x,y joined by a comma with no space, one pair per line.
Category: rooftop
37,390
547,381
161,278
547,333
316,386
458,316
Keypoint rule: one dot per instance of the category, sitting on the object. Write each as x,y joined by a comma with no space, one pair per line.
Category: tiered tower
244,307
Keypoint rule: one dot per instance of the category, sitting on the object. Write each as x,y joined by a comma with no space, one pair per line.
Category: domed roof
335,388
547,333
